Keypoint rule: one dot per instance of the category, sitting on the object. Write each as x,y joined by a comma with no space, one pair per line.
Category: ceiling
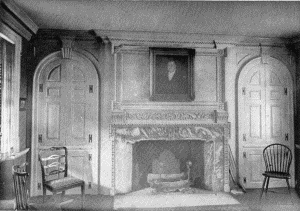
259,19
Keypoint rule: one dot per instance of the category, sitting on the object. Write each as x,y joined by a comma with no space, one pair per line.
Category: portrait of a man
172,77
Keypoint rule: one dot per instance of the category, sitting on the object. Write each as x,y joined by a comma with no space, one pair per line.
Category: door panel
80,166
254,107
53,123
255,167
264,118
255,123
67,113
276,107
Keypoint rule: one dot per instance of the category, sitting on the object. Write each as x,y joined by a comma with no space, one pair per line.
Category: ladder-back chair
278,158
55,178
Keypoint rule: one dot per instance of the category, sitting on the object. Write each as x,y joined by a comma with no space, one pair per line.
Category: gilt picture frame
171,75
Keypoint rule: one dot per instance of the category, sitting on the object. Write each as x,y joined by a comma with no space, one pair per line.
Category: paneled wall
134,79
126,70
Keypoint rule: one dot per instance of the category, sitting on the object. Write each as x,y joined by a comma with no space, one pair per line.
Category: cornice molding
54,34
16,19
21,15
296,42
170,39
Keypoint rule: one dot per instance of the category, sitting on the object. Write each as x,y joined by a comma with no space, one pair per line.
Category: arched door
66,110
265,113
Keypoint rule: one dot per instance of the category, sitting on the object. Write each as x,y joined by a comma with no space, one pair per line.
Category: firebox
137,147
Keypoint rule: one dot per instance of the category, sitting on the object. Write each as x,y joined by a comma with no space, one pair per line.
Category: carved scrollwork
170,116
132,134
222,116
116,106
201,116
118,117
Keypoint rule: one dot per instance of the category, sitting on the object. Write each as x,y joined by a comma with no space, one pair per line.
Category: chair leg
82,195
263,187
54,195
62,196
57,202
44,194
267,184
288,184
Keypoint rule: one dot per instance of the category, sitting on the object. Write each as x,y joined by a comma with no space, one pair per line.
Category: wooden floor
275,200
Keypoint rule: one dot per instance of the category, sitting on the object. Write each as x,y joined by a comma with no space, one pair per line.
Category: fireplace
145,155
135,146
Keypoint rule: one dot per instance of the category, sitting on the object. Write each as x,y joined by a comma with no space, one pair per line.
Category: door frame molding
241,74
90,60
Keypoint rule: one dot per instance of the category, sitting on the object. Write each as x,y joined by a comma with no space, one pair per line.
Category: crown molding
54,34
170,39
16,19
296,42
13,8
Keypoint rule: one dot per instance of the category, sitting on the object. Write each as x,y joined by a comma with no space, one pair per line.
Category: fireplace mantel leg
226,162
113,157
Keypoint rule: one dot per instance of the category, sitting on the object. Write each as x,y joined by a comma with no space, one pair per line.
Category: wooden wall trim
21,15
17,20
168,39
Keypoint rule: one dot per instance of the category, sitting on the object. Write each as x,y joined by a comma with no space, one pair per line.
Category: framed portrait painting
172,75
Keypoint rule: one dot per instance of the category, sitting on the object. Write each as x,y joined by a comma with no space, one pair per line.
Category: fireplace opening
171,157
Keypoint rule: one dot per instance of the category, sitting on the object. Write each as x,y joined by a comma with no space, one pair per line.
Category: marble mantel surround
129,128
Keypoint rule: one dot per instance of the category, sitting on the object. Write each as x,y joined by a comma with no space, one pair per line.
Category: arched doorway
66,113
265,116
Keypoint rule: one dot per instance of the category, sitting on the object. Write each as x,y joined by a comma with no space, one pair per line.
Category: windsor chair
277,158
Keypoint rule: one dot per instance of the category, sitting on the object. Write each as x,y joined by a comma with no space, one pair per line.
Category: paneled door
265,117
67,115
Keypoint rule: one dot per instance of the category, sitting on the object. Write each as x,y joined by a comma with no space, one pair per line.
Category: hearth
135,148
177,161
166,176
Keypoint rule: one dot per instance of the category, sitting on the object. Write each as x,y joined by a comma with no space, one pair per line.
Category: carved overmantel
134,75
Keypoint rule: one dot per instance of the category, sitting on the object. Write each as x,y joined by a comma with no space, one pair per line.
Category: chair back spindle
277,158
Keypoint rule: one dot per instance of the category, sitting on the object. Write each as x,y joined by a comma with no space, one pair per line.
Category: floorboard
275,200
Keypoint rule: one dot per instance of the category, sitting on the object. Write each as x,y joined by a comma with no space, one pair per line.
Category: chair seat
66,182
279,175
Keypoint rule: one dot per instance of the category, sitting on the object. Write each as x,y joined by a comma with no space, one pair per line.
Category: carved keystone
67,45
